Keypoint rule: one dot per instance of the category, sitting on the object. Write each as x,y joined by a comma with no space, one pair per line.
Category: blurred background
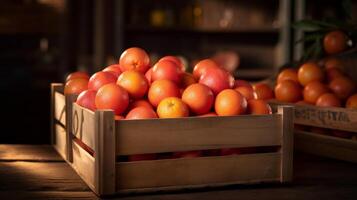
41,41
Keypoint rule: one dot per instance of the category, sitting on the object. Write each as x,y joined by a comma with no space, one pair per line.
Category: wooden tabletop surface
38,172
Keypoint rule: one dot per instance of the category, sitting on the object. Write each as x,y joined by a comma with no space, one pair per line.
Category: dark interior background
43,40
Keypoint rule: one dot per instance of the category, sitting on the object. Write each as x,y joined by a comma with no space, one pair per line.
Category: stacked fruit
134,90
315,85
324,86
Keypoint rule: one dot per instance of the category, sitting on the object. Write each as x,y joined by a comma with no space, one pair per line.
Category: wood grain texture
204,171
104,152
83,126
39,176
287,147
70,99
83,164
195,133
328,146
331,117
21,152
60,107
55,87
314,178
47,195
61,140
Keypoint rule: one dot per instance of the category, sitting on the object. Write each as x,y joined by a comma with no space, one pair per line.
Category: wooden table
38,172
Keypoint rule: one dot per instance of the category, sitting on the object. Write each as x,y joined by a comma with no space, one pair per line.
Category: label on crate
335,118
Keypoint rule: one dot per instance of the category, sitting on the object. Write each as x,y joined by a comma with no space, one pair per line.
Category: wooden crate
325,145
98,140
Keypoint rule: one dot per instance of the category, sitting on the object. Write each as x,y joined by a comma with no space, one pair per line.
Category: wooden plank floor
37,172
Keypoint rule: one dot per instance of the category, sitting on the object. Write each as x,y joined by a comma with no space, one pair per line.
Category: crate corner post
105,156
287,140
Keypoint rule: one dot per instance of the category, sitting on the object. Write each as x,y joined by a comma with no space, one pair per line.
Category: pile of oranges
135,90
324,86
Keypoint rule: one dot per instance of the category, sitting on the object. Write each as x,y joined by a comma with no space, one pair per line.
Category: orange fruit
263,91
134,59
258,107
288,74
247,92
332,63
335,42
75,75
76,86
288,91
333,73
187,80
217,79
168,70
328,100
114,69
302,102
140,103
343,87
100,79
118,117
161,89
239,83
135,83
141,113
199,98
176,60
230,102
202,66
352,102
313,91
309,72
172,107
87,99
112,96
210,114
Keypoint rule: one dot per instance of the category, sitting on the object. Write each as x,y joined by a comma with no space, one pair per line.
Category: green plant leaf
313,25
310,37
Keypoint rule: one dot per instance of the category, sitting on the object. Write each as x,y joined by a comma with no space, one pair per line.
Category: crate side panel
60,108
172,135
326,146
334,118
60,136
83,125
83,164
198,171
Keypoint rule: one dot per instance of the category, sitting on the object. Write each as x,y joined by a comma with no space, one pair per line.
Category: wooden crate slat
195,133
327,146
60,108
198,171
83,125
61,140
335,118
83,163
331,117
